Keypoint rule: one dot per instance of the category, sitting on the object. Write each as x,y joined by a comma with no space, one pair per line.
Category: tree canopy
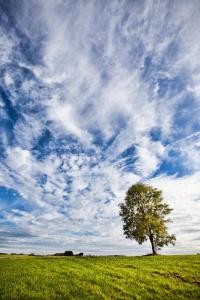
145,216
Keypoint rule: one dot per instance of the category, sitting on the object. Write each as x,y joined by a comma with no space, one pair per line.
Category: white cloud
183,196
6,46
64,114
149,156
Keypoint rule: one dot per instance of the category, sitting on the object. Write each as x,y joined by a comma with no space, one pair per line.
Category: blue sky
96,96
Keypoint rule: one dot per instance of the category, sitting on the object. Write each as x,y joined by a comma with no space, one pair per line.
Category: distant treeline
66,253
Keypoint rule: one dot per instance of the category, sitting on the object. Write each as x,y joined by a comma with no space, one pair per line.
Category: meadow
105,277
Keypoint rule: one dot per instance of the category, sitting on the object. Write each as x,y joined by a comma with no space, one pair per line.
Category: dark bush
68,253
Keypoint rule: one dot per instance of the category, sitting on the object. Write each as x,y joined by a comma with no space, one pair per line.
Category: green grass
159,277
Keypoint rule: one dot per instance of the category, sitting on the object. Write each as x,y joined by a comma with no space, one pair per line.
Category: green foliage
145,216
108,278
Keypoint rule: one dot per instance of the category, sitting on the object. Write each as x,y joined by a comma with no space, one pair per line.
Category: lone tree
145,216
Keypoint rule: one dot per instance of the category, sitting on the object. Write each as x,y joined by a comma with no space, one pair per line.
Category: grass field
160,277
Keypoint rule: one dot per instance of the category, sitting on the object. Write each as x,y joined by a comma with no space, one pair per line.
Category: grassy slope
161,277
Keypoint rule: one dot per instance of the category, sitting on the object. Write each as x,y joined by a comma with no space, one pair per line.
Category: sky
96,96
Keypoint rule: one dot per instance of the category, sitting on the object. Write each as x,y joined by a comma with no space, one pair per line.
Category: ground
111,277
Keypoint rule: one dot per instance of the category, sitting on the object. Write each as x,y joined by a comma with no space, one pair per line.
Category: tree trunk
152,242
152,246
